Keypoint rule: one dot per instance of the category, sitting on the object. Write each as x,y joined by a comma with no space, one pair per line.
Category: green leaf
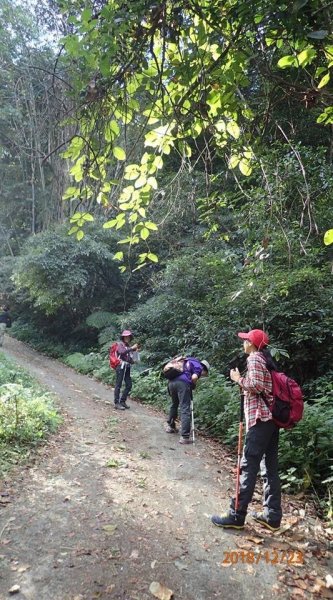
144,233
77,169
306,56
119,153
233,161
118,256
158,162
111,131
152,257
140,182
110,224
233,129
132,172
152,182
76,217
79,235
151,225
287,61
245,167
87,217
328,237
71,192
324,81
73,230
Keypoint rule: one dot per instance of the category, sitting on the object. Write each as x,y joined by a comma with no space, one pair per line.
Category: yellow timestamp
273,557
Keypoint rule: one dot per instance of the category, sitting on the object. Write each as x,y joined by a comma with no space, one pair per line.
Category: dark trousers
181,395
123,376
260,453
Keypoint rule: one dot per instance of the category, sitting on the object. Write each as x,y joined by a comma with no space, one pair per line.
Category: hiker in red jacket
262,438
126,355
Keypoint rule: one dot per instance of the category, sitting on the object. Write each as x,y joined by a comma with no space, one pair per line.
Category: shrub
150,388
105,373
84,363
27,413
307,449
35,337
25,416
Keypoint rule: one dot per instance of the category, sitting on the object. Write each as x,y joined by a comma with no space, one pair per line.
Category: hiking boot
229,520
170,429
124,404
119,406
185,440
265,521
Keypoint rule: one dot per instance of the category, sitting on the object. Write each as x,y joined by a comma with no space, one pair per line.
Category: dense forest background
167,167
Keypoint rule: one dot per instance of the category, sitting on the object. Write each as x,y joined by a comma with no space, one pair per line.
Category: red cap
257,337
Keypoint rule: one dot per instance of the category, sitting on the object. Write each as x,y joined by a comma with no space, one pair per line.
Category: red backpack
287,407
114,359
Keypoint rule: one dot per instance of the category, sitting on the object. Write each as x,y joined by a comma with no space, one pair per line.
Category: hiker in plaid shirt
262,437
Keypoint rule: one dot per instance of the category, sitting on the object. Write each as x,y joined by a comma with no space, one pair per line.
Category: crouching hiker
122,356
5,321
183,378
261,441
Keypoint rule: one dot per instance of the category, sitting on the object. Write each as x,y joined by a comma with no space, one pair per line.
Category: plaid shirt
256,380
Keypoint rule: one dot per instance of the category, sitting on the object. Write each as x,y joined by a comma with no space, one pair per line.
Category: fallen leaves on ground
14,589
160,591
109,529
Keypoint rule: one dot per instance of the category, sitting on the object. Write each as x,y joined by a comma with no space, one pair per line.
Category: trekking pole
192,419
239,450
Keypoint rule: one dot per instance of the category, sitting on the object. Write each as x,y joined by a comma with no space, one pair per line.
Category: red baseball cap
257,337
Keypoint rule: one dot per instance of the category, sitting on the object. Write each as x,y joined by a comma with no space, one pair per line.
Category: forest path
77,529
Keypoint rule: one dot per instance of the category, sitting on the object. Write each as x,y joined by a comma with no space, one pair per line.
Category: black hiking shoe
119,406
124,404
266,522
228,520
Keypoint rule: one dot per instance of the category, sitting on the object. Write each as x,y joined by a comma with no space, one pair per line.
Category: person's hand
235,375
135,347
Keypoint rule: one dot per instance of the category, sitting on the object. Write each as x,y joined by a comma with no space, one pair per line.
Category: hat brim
243,336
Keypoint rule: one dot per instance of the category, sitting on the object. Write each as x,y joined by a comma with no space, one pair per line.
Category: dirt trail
77,529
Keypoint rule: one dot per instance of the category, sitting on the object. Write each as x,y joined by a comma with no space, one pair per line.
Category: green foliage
306,452
101,320
12,373
190,72
105,373
36,337
84,363
107,336
151,389
25,417
56,274
216,406
27,413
